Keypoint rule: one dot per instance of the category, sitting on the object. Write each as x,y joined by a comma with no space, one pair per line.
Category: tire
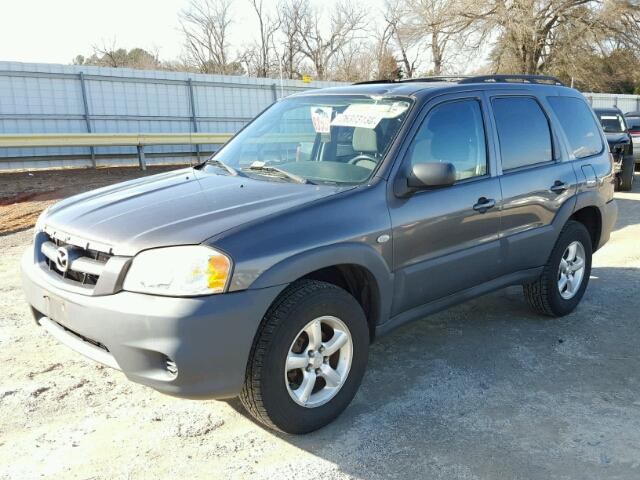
626,174
269,392
544,294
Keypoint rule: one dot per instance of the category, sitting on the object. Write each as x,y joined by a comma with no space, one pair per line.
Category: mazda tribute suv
334,217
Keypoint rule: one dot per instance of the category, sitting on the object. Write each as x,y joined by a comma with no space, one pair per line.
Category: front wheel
564,279
308,358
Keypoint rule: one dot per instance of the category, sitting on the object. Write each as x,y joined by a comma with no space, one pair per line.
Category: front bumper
208,338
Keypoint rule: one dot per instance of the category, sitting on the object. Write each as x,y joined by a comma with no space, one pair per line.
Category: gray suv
334,217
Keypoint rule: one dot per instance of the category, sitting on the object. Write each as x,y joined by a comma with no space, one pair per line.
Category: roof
608,110
396,88
411,87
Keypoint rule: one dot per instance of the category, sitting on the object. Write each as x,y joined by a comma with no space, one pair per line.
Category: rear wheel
308,359
626,173
564,279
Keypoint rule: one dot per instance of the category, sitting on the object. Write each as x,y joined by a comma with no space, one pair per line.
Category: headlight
179,271
40,222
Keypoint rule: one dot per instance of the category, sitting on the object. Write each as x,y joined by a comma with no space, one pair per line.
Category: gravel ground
23,195
483,390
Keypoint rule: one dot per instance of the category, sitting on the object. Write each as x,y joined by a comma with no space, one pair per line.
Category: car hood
184,206
616,138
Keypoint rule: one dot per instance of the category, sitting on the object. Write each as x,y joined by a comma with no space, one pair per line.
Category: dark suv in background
620,145
334,217
633,124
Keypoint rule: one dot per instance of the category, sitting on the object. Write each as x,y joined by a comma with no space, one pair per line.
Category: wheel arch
589,210
357,268
591,217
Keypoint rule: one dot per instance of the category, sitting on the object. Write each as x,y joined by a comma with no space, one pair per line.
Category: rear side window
523,132
578,124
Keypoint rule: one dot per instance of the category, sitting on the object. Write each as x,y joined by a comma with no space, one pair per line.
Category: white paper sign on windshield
364,115
321,119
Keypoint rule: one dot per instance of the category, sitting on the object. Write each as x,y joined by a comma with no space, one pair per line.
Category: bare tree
260,57
440,25
206,24
355,62
107,54
532,35
321,45
397,37
291,15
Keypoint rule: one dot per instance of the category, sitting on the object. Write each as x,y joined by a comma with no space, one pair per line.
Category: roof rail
538,79
439,78
502,78
370,82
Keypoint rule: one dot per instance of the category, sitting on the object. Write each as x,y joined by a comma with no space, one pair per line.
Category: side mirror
427,175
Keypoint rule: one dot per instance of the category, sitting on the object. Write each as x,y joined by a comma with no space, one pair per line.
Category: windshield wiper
221,164
279,171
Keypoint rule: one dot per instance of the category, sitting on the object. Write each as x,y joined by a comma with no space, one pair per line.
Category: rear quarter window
579,126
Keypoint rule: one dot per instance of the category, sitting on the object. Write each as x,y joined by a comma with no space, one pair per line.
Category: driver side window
453,132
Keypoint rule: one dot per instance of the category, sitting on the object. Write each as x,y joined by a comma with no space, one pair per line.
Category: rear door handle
484,204
559,187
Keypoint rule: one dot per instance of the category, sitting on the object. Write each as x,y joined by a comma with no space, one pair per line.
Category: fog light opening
171,367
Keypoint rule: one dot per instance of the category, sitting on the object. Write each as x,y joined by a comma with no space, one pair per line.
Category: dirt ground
23,195
485,390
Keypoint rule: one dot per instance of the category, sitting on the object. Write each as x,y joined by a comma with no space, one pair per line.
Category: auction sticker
321,118
364,115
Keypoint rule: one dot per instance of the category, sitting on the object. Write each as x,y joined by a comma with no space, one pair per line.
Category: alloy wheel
318,361
571,270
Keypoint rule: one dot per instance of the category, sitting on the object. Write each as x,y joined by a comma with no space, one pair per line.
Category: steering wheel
363,157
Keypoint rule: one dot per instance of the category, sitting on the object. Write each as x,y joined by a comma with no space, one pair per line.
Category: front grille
82,266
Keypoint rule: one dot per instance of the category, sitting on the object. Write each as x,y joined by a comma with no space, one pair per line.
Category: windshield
321,139
612,123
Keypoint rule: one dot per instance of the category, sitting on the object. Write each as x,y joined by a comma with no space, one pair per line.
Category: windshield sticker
321,118
607,117
361,115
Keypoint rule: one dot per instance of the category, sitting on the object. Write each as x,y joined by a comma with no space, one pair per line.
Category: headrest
365,140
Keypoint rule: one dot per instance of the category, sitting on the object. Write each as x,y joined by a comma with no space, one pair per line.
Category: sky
55,31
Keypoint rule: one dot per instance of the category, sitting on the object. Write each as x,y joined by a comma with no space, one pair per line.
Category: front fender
362,255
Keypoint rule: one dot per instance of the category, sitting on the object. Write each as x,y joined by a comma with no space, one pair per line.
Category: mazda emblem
62,259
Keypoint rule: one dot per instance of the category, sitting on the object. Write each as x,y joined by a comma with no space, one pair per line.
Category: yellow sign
306,78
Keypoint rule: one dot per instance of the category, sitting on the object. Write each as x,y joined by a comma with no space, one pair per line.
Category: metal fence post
141,159
87,116
194,118
274,91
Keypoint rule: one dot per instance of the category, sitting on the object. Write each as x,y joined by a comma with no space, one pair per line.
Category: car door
535,177
445,240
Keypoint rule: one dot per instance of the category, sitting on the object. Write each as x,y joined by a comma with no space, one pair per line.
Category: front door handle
484,204
559,187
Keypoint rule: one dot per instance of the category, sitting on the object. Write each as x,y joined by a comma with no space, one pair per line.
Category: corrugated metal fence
626,103
45,98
